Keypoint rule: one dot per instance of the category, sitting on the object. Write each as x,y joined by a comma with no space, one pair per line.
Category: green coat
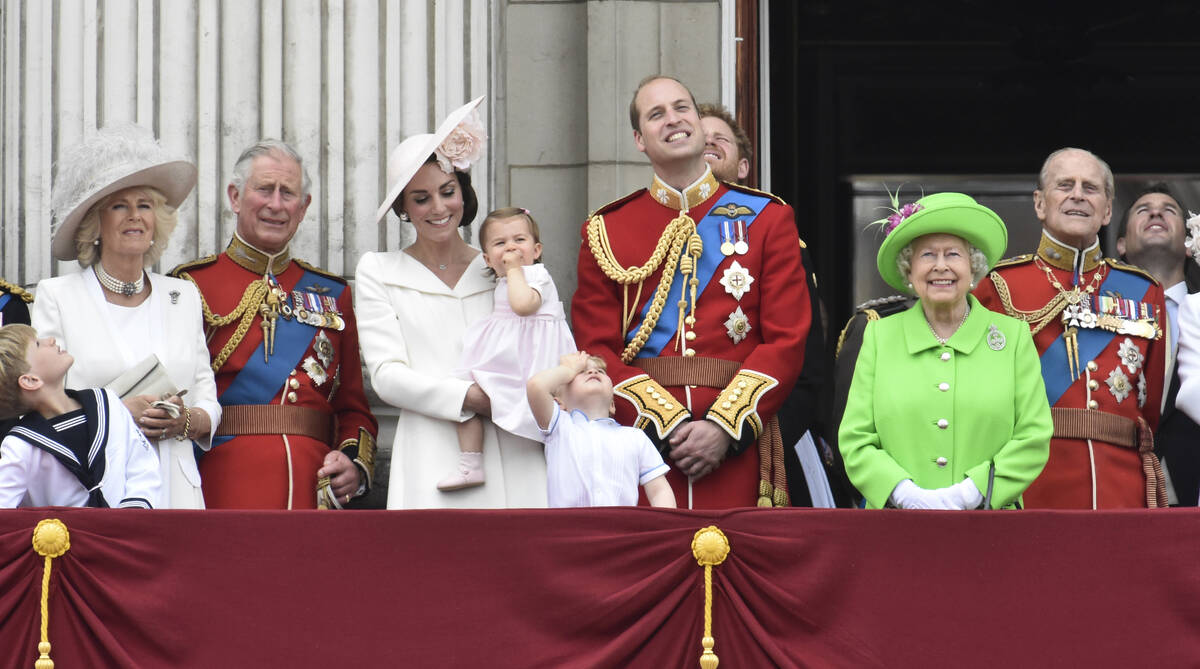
992,404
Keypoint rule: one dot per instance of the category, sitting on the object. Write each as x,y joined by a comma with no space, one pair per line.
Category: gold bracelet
187,425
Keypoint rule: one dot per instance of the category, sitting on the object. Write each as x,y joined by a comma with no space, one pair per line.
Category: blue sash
709,229
1091,340
4,298
259,380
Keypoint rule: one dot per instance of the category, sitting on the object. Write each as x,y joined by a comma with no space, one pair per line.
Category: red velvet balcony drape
605,588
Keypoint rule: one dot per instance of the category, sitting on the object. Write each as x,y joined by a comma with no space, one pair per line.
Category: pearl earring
910,285
972,285
404,216
95,242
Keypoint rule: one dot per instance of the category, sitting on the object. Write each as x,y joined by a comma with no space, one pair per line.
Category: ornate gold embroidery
654,404
737,405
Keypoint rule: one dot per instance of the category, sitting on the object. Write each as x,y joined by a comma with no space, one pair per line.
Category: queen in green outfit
947,409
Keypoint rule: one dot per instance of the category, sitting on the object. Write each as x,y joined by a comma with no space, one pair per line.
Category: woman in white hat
413,306
114,204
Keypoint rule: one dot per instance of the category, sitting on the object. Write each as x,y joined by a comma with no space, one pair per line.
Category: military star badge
737,325
1130,356
315,371
323,348
737,280
1119,385
1141,386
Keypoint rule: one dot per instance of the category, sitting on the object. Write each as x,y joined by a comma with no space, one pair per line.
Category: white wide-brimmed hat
411,154
115,158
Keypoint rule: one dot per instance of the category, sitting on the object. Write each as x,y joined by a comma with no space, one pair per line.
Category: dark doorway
861,87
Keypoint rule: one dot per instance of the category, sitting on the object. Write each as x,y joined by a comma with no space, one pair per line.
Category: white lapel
405,271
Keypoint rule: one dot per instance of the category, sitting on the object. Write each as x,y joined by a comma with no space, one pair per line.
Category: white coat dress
410,328
72,309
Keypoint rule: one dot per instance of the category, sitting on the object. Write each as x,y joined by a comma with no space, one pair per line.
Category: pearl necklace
115,285
943,340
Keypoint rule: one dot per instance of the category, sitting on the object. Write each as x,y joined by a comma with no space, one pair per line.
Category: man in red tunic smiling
693,291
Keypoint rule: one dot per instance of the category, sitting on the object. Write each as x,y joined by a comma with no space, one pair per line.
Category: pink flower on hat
899,213
463,146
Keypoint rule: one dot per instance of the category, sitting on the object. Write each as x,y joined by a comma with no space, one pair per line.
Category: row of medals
1079,313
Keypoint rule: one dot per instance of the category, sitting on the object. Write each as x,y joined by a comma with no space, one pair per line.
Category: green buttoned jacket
938,413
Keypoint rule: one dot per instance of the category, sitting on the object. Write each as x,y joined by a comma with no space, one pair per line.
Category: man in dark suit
1151,236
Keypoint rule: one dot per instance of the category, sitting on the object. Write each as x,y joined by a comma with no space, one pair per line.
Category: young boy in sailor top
590,459
72,447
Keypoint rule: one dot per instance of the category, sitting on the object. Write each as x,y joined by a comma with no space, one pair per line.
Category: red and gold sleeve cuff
736,408
655,406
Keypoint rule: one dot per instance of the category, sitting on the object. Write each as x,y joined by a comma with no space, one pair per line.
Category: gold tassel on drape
709,547
50,540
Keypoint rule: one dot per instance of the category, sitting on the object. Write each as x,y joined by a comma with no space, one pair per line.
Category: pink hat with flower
458,142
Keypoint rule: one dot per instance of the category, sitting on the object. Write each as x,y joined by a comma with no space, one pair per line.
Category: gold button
293,372
1093,404
737,392
668,406
690,352
293,383
726,405
1092,366
654,395
741,384
291,397
1093,384
661,401
943,386
690,320
691,334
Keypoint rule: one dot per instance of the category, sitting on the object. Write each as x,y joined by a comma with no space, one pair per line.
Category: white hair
266,147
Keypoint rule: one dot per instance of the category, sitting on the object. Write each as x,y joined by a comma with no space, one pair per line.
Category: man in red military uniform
694,293
1098,326
296,432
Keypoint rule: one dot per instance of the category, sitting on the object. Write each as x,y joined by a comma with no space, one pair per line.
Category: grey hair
1044,174
979,262
88,232
265,147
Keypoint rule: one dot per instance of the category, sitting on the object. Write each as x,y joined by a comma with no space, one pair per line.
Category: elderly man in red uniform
1098,325
297,432
694,293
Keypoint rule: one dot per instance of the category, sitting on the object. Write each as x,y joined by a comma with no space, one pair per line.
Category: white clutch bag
148,377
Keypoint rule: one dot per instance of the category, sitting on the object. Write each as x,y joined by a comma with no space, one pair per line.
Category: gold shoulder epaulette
16,291
617,203
317,270
1117,264
746,189
192,264
1015,260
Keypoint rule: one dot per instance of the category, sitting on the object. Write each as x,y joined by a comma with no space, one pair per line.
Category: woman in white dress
413,307
114,205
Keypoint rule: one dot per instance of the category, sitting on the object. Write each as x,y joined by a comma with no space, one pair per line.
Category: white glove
964,495
960,496
908,495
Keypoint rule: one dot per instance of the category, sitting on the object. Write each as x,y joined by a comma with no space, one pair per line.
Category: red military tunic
274,470
1120,377
770,322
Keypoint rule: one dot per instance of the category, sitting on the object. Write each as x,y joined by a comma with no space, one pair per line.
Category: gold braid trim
247,309
669,246
1037,319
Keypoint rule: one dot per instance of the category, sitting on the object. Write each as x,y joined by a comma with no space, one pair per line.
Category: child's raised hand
576,362
511,259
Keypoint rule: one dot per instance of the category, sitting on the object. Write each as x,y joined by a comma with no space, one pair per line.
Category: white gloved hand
958,497
908,495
